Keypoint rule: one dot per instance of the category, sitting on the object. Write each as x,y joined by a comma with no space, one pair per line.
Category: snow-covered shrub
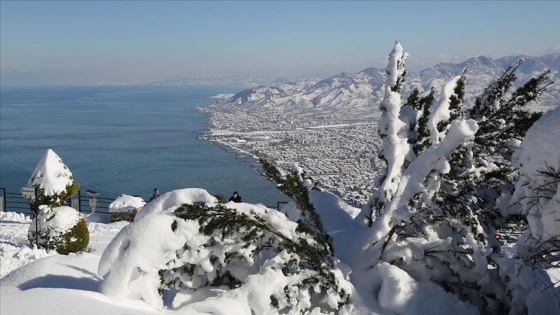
244,243
59,227
220,198
170,201
482,171
53,180
62,228
223,253
394,133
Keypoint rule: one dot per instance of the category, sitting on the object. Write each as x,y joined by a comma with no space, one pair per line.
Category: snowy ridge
348,90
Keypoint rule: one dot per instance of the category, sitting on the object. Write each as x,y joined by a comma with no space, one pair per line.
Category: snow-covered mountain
353,90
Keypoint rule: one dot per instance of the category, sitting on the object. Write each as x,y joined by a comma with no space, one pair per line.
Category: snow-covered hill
362,89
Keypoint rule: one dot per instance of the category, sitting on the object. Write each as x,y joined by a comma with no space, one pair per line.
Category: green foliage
77,239
293,186
419,134
55,200
221,198
274,301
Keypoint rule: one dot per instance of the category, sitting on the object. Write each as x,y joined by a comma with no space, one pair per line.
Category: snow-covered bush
62,228
247,245
56,226
233,249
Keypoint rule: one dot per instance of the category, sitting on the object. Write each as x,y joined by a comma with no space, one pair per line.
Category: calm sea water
122,140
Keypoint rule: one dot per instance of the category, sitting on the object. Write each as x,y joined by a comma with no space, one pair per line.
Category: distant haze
96,42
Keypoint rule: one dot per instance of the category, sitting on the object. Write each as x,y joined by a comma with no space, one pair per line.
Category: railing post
278,203
79,201
3,200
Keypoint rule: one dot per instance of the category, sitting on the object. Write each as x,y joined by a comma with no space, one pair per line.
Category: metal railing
14,202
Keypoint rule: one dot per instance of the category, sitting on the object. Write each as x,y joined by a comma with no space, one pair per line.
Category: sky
81,42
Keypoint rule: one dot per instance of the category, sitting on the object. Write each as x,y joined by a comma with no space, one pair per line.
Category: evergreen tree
54,186
439,210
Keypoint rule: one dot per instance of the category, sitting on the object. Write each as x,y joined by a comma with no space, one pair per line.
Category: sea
124,140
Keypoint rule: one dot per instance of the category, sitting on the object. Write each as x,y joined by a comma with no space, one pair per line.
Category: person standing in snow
235,197
155,195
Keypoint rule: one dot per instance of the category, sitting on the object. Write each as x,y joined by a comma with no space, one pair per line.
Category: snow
15,250
541,145
170,201
126,203
51,174
440,111
222,96
129,265
403,295
540,152
57,220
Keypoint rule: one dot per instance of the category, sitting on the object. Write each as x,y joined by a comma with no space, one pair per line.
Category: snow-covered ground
71,284
59,284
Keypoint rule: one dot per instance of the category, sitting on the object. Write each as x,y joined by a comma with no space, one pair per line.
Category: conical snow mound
51,175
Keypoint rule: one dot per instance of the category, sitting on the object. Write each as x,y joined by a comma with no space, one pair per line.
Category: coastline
124,140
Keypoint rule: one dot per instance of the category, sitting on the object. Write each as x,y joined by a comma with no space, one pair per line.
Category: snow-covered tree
57,227
432,225
394,133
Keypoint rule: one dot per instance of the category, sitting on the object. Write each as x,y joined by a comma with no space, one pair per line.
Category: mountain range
357,90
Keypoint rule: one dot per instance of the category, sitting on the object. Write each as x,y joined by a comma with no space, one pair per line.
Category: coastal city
336,148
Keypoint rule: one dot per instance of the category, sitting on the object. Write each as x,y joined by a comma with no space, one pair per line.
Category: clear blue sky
145,40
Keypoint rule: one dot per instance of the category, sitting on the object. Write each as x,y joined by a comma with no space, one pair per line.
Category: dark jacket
235,198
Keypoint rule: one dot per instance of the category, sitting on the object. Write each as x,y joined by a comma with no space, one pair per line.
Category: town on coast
336,148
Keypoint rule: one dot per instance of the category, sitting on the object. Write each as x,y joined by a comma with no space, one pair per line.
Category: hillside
363,89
